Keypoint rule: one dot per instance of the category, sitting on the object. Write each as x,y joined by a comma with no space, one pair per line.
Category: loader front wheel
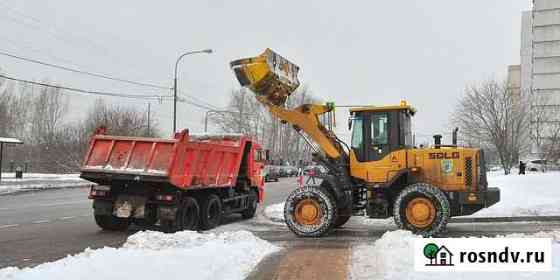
310,211
422,209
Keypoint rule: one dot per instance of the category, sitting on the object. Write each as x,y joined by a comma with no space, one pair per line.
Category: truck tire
340,221
253,202
310,211
211,212
187,217
422,209
110,222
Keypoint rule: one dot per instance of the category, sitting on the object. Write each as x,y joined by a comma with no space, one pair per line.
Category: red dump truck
185,183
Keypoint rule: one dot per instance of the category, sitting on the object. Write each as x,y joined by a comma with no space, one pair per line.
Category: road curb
507,219
23,191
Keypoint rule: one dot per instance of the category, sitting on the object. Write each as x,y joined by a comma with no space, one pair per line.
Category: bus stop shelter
8,141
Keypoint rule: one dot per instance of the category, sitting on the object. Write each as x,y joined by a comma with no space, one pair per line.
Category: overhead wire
84,91
103,76
183,97
37,24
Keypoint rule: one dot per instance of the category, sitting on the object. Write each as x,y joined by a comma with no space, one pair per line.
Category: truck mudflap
467,203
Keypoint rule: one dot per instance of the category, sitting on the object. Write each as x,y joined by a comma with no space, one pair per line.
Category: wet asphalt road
41,226
45,226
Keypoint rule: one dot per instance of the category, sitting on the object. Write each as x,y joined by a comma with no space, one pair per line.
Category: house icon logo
438,255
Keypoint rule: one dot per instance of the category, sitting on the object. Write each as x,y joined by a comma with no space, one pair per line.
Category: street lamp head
207,51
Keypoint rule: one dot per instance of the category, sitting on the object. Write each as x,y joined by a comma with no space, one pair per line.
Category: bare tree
492,115
246,115
49,109
545,128
119,120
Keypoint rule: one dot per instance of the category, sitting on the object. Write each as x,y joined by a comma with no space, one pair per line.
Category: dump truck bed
186,161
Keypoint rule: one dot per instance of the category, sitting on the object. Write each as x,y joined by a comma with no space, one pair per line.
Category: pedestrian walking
522,167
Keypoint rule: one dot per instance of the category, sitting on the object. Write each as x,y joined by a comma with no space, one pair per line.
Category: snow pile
275,212
156,255
391,257
534,194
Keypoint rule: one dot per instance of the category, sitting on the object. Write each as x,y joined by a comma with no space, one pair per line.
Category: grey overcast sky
350,52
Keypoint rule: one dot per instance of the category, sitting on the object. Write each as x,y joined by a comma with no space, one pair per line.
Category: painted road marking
40,222
67,218
8,226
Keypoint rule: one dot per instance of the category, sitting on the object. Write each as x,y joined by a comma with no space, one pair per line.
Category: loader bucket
271,77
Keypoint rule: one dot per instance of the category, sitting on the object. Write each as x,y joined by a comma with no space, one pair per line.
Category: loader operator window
378,133
379,130
357,133
358,138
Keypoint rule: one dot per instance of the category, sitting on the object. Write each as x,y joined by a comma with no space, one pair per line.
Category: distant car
270,174
536,165
292,171
282,171
318,170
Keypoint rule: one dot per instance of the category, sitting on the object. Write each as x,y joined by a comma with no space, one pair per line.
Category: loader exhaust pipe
455,136
437,141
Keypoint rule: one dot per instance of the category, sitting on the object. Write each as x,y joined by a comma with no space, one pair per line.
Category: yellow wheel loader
381,173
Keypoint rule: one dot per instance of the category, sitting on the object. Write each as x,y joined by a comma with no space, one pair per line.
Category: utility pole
149,119
241,110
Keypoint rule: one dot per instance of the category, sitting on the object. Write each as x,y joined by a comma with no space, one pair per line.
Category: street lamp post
175,84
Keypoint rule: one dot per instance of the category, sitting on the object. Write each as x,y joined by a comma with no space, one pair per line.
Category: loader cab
378,131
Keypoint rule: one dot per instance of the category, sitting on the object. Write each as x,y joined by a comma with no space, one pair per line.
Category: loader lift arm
273,79
306,118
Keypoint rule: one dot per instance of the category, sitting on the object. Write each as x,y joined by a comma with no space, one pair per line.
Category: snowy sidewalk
391,258
39,181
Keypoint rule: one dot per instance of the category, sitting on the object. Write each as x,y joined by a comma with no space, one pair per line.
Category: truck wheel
310,211
187,217
422,209
110,222
341,220
252,205
211,212
190,214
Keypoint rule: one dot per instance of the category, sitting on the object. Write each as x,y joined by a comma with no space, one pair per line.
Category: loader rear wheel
252,205
187,217
211,212
310,211
341,220
422,209
110,222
